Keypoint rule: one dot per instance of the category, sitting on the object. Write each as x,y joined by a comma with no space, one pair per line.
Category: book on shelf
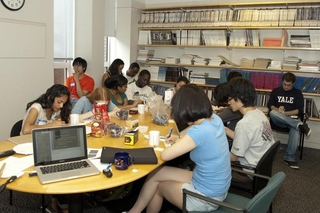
310,108
272,42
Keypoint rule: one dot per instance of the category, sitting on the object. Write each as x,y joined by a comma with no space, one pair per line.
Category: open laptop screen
59,144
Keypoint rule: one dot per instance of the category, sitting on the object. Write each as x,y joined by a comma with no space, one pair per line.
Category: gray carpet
299,193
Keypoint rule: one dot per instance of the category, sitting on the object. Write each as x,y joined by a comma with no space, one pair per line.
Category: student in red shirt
79,84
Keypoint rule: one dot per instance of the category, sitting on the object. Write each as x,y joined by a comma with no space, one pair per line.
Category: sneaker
305,129
292,164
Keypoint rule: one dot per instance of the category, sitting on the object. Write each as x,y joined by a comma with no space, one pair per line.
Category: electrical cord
3,186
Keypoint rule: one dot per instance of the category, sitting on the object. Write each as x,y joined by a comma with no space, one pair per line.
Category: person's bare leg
149,194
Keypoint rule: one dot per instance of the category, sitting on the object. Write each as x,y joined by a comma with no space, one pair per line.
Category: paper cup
74,119
154,138
141,108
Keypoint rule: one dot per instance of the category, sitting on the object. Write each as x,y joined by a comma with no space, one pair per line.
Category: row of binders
224,38
306,16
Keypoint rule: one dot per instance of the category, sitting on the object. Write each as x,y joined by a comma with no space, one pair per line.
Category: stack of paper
261,62
145,55
214,61
247,62
171,60
275,64
186,59
198,60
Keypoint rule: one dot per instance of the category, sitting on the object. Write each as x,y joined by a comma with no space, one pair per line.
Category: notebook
141,155
64,148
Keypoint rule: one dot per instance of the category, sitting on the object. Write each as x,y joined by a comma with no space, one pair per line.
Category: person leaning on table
51,109
84,106
207,143
252,136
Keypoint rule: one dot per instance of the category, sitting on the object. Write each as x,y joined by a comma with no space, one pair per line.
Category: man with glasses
286,105
252,136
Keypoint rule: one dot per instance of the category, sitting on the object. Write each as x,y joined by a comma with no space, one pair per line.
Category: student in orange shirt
79,84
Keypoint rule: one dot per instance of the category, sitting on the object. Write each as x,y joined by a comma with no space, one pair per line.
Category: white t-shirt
42,118
130,79
252,137
134,92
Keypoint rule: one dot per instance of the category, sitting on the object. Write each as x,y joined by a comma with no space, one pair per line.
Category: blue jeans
284,121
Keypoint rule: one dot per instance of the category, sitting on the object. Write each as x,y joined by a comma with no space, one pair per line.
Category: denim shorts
195,204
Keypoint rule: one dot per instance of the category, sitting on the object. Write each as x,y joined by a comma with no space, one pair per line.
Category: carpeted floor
300,192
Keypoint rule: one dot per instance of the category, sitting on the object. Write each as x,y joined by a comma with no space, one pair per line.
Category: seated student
228,117
84,106
182,80
233,74
79,84
114,69
207,143
252,136
139,89
117,86
51,109
131,73
286,101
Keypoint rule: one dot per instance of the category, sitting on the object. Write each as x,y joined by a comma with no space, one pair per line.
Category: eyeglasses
229,99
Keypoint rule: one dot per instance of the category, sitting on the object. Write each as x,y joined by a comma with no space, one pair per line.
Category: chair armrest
247,166
251,173
220,203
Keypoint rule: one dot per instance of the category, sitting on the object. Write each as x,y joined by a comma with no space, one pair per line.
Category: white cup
141,109
74,119
154,138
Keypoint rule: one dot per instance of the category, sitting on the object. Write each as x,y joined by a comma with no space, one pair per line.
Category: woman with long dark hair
51,109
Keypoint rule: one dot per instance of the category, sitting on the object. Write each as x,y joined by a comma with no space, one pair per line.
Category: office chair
16,129
287,130
236,203
264,167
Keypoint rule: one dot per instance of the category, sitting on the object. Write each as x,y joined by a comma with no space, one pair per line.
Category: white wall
27,71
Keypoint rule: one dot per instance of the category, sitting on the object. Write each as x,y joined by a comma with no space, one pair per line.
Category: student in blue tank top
207,143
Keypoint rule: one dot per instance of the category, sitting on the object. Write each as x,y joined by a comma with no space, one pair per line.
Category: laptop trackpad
70,174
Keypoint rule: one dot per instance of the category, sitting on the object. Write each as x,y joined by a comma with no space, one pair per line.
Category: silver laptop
60,153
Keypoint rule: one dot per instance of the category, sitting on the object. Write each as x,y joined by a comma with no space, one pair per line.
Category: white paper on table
94,153
15,165
98,164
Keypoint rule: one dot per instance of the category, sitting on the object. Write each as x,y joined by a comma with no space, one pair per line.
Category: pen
170,132
2,168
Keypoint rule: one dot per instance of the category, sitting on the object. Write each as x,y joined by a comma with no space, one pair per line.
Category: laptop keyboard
64,167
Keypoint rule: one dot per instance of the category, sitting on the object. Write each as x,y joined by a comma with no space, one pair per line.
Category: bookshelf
268,19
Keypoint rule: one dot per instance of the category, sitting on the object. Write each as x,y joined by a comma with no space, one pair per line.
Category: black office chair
264,167
16,129
287,130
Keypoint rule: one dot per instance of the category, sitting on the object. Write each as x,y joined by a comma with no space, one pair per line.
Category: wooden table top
97,182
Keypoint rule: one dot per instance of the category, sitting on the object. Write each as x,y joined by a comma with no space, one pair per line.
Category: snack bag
101,119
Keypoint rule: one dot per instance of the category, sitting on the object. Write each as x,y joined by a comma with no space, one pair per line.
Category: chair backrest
264,166
16,129
262,201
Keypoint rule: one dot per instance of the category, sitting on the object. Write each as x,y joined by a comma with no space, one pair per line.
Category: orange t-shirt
86,83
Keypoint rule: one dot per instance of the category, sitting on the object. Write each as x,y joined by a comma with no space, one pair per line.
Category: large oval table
98,182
